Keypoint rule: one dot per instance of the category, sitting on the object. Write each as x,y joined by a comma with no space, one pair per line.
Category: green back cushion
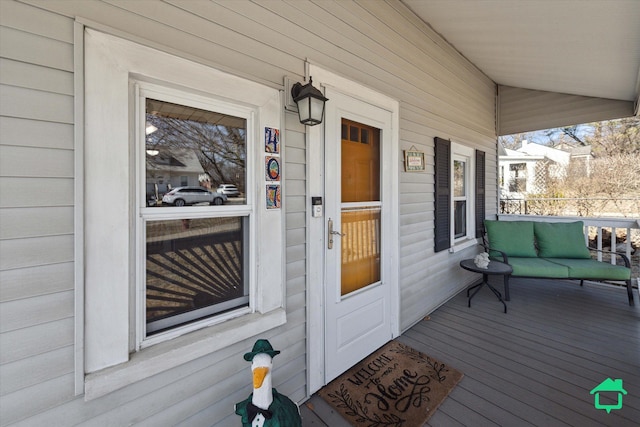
515,238
561,240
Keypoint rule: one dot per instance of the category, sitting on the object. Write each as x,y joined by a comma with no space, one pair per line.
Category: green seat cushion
561,240
515,238
537,267
592,269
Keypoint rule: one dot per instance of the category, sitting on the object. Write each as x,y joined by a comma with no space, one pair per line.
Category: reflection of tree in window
177,133
459,178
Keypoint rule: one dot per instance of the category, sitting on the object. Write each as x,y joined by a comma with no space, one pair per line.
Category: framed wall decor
414,160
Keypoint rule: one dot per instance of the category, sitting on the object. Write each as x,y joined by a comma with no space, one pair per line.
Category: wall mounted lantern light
310,103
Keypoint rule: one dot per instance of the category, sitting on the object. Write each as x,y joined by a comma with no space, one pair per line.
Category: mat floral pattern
397,386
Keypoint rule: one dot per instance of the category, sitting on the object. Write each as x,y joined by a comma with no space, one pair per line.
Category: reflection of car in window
228,189
182,196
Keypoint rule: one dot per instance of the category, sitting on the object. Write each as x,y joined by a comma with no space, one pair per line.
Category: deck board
534,365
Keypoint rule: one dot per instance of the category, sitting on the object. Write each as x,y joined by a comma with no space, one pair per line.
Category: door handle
332,233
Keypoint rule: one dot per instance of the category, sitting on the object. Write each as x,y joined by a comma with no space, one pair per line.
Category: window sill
464,244
169,354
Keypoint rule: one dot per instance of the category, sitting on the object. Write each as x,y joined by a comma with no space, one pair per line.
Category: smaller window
459,195
518,177
462,215
459,198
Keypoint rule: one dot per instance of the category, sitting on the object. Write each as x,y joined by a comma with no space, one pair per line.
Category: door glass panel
361,164
361,207
360,248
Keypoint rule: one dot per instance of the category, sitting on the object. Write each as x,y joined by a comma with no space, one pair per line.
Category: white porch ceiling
579,47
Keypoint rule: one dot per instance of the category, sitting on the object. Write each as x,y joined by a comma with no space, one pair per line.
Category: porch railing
578,206
594,227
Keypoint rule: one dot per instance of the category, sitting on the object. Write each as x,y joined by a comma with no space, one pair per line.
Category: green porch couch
549,250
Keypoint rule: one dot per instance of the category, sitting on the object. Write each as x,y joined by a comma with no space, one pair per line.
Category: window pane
459,172
195,268
518,177
188,146
460,218
355,134
364,136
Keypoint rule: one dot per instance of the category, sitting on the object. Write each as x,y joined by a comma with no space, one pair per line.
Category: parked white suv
181,196
228,189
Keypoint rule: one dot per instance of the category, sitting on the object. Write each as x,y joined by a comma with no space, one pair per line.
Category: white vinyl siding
524,110
36,211
379,44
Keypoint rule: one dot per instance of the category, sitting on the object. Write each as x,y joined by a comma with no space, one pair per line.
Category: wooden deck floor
534,366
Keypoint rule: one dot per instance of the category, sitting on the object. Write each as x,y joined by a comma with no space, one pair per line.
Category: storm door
357,293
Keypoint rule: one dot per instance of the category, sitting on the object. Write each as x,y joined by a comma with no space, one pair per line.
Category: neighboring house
114,313
517,172
167,169
175,167
523,170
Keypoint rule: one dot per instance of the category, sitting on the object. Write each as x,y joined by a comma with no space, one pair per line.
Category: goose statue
265,407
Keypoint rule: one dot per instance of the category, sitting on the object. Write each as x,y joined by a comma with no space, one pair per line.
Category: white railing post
614,244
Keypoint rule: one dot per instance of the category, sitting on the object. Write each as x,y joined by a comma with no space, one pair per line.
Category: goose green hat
261,346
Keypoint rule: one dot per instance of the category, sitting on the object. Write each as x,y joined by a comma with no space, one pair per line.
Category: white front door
358,190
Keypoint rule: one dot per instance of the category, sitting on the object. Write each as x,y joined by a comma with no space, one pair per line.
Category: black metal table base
479,286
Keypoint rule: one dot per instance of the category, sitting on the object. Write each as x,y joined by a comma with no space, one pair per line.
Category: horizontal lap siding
36,211
525,110
460,109
378,44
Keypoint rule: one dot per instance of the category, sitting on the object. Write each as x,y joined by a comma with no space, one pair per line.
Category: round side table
494,268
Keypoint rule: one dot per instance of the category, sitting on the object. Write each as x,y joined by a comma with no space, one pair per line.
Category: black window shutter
442,221
480,193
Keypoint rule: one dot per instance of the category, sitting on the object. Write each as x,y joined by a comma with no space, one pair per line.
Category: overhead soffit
589,48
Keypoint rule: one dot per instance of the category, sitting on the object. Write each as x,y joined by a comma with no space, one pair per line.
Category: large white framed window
194,240
169,281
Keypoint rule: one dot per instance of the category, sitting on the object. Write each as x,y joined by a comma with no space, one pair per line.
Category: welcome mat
395,386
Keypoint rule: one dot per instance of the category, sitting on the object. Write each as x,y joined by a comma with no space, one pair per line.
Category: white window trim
109,254
466,154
